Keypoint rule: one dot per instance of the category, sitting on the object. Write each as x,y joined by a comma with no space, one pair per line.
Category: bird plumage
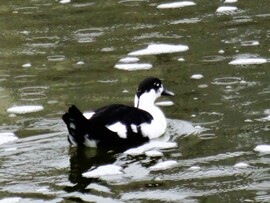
119,126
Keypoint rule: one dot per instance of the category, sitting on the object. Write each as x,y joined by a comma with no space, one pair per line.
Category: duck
119,126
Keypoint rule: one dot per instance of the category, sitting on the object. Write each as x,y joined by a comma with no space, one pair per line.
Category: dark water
54,55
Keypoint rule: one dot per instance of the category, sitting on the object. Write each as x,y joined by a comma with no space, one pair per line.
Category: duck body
120,126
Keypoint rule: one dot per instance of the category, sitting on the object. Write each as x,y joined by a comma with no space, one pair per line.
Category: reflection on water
213,55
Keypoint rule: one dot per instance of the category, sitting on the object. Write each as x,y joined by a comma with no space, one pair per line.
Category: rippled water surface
214,55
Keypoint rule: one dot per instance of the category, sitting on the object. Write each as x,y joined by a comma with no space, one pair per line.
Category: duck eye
157,84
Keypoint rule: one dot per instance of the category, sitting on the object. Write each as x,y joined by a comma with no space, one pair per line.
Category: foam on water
154,153
129,60
230,1
156,49
163,165
264,148
133,66
26,65
241,165
164,103
10,200
176,4
194,168
153,145
25,109
64,1
196,76
226,9
181,59
105,170
80,63
248,61
7,137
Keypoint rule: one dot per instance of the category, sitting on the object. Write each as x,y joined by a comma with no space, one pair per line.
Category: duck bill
167,93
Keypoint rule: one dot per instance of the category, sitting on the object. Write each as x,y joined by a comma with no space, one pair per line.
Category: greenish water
55,55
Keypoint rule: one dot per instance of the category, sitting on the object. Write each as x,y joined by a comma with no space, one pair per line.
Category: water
56,54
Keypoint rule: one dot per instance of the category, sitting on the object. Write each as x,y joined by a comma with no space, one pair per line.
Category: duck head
148,91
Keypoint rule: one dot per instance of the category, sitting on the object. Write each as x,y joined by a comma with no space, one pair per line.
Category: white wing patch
134,128
118,128
88,115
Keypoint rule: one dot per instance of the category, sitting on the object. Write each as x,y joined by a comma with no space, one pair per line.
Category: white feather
158,125
118,128
134,128
88,115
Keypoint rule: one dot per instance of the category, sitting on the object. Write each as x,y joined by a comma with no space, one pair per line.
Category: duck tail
77,126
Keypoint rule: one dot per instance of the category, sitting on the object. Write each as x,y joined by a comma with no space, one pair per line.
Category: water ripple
88,35
33,93
43,42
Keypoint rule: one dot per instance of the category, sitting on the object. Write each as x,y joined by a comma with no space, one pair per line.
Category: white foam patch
226,9
194,168
26,65
248,61
129,60
164,103
264,148
176,4
10,200
230,1
181,59
155,49
25,109
105,170
154,153
197,76
153,145
7,137
88,115
133,66
64,1
80,63
241,165
163,165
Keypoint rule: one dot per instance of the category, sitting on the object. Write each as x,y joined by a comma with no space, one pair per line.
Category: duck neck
145,101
